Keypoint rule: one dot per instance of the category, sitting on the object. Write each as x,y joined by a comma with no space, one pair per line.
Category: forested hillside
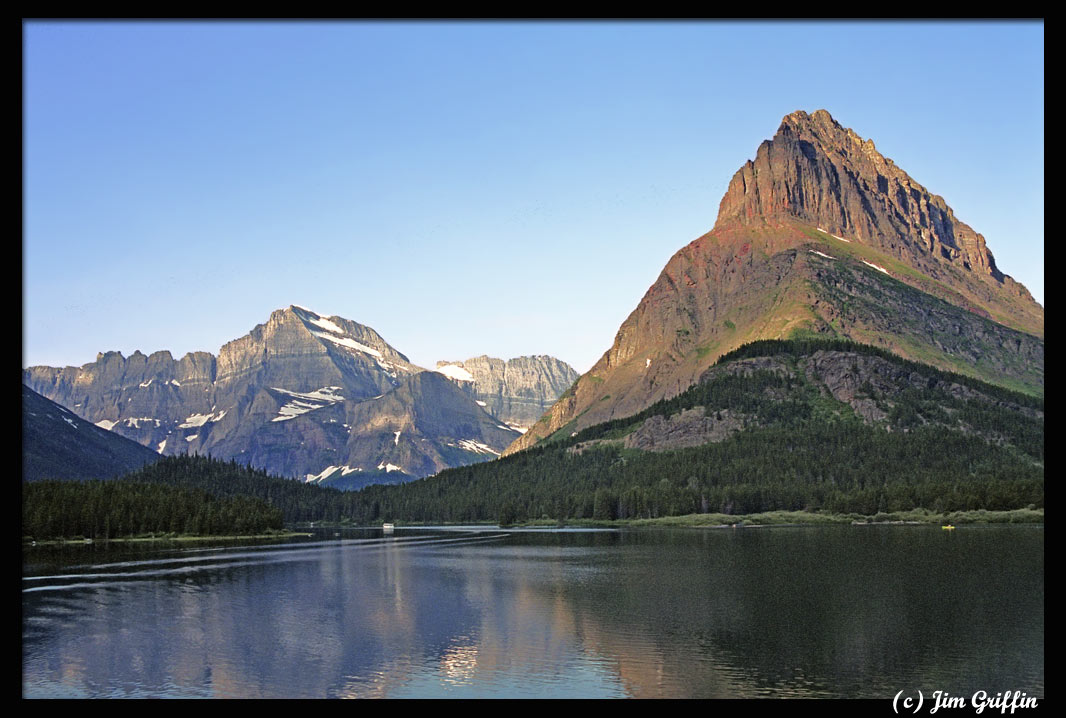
779,425
115,509
298,501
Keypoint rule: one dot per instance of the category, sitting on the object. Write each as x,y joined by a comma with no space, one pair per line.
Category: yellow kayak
949,527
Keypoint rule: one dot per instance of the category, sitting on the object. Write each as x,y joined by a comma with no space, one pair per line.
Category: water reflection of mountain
721,613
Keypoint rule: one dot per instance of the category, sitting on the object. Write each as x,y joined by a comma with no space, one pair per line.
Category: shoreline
914,517
161,539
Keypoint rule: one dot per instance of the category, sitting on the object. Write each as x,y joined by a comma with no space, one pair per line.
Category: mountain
304,395
517,391
424,425
57,444
818,235
778,425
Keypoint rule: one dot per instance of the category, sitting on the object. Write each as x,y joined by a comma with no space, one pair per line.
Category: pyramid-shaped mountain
305,395
818,235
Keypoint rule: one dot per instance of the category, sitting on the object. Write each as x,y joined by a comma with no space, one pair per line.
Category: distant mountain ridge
516,391
305,395
818,235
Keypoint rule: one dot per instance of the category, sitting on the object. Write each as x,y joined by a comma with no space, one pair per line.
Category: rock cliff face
316,397
818,234
822,174
517,391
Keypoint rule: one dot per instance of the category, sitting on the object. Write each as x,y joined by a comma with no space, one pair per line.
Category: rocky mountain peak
302,350
823,174
351,336
820,127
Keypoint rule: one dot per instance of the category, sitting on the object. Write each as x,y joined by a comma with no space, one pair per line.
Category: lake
836,611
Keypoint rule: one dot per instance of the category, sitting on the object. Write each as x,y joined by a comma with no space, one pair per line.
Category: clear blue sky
463,188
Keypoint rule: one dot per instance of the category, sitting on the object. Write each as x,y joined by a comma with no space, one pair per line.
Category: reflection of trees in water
715,613
847,611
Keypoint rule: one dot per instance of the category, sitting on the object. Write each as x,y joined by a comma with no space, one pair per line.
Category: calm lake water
843,611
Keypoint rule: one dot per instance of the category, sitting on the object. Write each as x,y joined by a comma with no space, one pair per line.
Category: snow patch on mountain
326,393
475,447
327,325
389,368
878,267
303,402
348,343
453,371
135,422
195,420
329,472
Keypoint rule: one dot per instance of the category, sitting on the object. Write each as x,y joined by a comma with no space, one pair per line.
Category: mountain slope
56,444
820,234
424,425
